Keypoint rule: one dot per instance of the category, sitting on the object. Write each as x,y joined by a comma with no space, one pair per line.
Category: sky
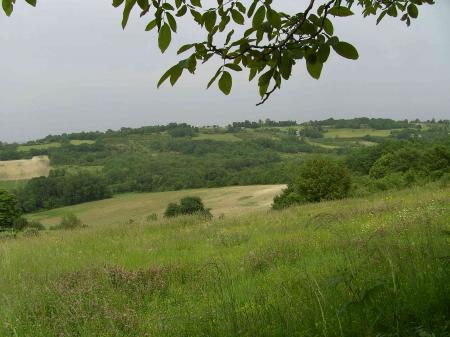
68,66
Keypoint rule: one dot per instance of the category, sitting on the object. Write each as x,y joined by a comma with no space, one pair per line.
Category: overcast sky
68,66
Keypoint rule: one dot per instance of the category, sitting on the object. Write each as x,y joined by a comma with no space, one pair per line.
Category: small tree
9,209
318,179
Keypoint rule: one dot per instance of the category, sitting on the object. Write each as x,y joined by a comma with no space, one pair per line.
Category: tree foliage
9,210
187,206
256,35
318,179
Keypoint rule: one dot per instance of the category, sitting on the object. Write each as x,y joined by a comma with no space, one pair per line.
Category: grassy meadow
137,206
355,133
377,266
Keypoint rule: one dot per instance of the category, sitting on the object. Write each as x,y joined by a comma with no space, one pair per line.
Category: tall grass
357,267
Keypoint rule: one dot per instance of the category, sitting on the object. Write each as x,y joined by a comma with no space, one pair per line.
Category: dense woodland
181,156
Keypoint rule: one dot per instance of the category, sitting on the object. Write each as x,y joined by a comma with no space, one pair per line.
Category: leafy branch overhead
255,36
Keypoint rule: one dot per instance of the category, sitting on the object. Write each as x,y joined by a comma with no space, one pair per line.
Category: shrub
152,217
31,232
172,210
35,224
20,223
69,221
318,179
445,180
9,210
187,206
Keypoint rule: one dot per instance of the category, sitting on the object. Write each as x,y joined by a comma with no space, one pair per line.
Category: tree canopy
255,35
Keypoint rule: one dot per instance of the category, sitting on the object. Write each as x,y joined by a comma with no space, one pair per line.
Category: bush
187,206
69,221
20,224
152,217
318,179
9,209
31,232
445,180
36,225
172,210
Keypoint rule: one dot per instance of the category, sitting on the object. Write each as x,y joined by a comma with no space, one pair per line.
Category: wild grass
359,267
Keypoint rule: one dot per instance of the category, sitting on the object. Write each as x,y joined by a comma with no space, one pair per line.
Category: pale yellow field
137,206
38,166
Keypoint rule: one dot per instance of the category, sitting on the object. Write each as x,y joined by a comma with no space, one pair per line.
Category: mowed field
122,208
24,169
375,266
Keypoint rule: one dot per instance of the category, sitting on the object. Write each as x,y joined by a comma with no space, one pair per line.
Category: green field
12,184
26,148
79,142
355,133
137,206
219,137
357,267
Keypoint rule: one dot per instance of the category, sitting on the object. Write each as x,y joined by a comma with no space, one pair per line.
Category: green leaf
7,7
209,18
175,74
143,4
212,80
185,48
315,70
259,16
129,4
340,11
164,38
237,17
151,25
274,18
233,66
229,35
117,3
31,2
323,53
252,8
172,22
346,50
328,26
166,75
381,16
182,11
196,3
413,11
226,82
